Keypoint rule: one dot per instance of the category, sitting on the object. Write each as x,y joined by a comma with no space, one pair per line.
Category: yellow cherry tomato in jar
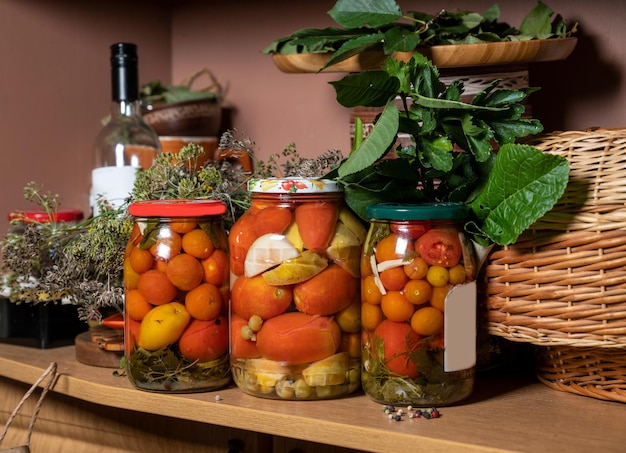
162,326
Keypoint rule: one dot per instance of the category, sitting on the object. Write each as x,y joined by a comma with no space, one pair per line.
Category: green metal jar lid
293,185
176,208
426,211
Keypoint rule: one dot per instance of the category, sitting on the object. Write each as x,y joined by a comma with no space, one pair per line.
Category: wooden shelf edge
485,424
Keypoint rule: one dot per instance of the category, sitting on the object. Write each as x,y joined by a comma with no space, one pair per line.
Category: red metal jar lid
72,215
176,208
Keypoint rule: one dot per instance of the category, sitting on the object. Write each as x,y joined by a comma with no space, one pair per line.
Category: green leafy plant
452,151
380,25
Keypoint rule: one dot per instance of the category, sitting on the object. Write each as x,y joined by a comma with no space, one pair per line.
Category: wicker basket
595,372
562,285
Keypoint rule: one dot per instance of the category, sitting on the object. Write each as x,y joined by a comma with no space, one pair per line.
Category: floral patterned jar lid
293,185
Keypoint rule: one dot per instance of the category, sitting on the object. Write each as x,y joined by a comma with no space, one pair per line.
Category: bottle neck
125,109
124,73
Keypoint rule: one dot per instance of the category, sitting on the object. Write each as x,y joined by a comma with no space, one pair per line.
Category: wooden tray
450,56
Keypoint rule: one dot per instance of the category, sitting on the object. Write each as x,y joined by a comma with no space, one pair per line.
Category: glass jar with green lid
176,287
418,305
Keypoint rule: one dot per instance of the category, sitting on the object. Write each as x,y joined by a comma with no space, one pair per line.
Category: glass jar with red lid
418,305
176,288
50,322
295,305
18,219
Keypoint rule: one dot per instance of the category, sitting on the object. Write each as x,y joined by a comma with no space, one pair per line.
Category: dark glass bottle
125,143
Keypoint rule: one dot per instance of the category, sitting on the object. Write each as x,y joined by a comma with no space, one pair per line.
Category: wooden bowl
196,118
442,56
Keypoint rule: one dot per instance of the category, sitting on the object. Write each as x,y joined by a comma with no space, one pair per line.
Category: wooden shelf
507,412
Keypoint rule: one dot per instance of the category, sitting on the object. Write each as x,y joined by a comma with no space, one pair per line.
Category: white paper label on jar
113,184
460,328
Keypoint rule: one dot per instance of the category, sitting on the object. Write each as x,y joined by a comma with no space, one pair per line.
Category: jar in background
176,296
295,305
418,309
19,219
50,322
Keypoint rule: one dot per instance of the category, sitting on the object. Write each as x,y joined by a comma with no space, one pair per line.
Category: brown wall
54,76
55,88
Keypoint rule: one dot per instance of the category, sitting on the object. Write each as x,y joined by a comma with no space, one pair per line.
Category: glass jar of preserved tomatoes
295,305
176,289
418,305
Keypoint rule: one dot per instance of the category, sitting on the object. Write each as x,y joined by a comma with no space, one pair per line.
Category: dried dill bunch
21,253
49,261
81,264
289,163
232,141
88,266
179,175
84,263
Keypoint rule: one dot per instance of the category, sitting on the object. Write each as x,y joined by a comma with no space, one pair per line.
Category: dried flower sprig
289,163
83,263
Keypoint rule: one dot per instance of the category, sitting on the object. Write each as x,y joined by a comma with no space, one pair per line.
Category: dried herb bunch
83,263
289,163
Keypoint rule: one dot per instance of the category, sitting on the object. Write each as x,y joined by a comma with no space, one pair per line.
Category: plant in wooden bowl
182,110
369,32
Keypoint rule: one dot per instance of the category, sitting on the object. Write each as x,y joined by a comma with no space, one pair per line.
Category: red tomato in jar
296,337
399,341
440,247
204,340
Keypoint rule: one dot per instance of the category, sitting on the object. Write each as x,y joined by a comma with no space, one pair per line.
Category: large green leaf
492,14
355,13
472,20
312,40
478,138
400,39
524,184
499,98
448,104
355,47
509,131
381,137
368,88
436,152
537,22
